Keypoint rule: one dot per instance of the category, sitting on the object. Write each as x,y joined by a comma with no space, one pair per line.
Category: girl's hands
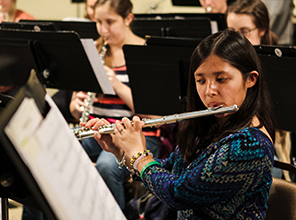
104,140
77,102
129,137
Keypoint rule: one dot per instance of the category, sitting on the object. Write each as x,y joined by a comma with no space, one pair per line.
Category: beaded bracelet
139,158
133,171
148,165
122,162
135,157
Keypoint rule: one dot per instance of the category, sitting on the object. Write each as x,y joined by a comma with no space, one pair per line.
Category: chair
282,197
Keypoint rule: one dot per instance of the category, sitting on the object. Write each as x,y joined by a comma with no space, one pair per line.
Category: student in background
89,8
214,6
113,19
12,13
251,18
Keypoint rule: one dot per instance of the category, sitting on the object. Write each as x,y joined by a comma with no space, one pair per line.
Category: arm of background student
123,91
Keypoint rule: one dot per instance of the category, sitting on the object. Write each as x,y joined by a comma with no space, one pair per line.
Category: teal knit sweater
231,179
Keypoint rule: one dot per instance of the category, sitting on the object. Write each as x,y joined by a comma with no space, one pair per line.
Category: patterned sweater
231,179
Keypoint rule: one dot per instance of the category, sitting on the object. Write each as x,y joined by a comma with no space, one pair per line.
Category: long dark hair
236,50
258,12
122,8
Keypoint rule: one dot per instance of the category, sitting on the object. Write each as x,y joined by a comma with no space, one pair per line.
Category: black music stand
58,57
42,164
158,75
33,26
85,29
279,64
191,27
213,17
17,182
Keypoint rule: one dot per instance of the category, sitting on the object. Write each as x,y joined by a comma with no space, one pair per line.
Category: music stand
279,64
163,69
38,168
217,18
59,58
186,3
84,29
192,28
17,182
33,26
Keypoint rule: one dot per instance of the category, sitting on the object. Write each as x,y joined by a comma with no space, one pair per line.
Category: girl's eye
109,21
201,81
221,79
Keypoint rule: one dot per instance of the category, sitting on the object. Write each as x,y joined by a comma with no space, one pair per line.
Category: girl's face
214,6
243,23
6,5
90,9
219,83
111,26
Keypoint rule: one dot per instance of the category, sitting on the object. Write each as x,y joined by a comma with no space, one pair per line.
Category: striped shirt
111,107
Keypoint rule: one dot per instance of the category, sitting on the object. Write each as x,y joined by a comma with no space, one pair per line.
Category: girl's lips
215,104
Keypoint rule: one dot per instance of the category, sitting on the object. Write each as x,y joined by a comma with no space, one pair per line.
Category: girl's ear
252,79
128,19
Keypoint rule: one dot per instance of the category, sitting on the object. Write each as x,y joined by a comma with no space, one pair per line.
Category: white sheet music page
97,65
65,174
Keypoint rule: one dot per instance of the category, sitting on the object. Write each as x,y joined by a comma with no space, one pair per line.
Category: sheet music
94,58
214,26
62,169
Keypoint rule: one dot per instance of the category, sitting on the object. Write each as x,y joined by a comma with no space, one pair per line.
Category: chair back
282,197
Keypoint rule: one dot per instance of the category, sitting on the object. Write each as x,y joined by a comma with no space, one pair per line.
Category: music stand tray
59,58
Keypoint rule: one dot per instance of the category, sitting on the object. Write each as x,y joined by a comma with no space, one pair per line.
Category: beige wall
59,9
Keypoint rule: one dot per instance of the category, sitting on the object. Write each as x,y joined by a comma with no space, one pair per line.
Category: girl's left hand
104,140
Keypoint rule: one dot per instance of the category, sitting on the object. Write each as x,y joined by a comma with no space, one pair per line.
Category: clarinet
92,95
83,132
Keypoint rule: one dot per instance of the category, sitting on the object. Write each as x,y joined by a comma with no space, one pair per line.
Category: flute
92,95
81,133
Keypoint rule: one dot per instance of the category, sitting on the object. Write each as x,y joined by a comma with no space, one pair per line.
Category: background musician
251,18
214,6
222,166
113,19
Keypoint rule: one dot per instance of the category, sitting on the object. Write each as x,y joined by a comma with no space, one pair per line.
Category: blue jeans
108,168
31,213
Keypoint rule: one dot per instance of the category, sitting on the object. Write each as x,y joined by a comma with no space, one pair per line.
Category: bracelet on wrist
148,165
136,163
135,157
122,162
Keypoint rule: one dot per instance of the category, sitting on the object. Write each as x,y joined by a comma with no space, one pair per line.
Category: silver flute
83,132
91,95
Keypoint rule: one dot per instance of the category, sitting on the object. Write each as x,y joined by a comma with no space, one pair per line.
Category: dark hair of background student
260,16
